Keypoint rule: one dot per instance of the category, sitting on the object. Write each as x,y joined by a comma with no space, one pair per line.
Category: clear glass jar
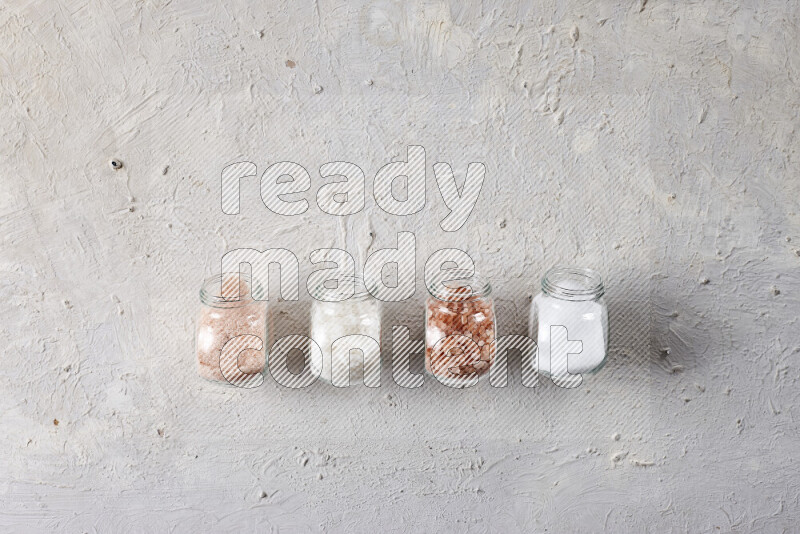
220,319
571,297
463,309
358,315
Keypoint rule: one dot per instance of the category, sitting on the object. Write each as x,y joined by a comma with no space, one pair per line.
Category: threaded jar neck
573,283
342,292
456,285
221,291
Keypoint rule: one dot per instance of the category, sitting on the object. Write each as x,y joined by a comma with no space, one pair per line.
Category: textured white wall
654,141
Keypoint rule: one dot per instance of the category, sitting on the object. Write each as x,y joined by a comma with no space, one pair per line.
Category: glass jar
460,329
358,315
224,316
572,298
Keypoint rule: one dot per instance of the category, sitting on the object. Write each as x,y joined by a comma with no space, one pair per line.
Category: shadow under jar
226,312
571,300
460,329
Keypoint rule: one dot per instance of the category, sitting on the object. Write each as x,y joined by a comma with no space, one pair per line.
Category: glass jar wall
359,315
460,329
221,318
571,298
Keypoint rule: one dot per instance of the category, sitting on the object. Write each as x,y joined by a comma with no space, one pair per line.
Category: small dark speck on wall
116,164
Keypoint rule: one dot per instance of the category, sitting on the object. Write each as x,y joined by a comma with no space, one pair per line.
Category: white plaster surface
654,141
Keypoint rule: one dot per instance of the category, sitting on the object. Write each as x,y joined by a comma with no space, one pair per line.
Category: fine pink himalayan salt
219,321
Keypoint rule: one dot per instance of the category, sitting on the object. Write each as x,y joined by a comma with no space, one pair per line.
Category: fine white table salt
585,320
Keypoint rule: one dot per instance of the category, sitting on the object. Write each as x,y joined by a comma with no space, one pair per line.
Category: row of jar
460,326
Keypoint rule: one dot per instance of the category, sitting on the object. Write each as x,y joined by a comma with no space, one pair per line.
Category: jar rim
479,285
211,292
573,283
360,290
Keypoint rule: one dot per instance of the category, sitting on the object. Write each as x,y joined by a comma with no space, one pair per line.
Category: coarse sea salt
330,322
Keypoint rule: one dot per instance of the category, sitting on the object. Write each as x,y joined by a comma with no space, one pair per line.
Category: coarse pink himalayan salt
473,350
221,320
460,329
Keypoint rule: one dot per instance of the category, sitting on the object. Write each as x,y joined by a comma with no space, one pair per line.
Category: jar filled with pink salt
231,330
460,329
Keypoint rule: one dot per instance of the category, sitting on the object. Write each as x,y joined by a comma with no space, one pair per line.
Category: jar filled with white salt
346,324
231,331
569,321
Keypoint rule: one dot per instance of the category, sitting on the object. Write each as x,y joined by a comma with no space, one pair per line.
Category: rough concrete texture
654,141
